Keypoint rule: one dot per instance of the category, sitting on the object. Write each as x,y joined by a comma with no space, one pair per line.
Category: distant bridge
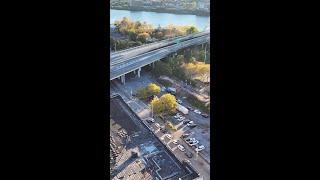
131,60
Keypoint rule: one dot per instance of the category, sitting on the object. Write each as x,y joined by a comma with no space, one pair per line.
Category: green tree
192,30
162,68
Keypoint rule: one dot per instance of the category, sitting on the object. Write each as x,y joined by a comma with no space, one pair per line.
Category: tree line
137,33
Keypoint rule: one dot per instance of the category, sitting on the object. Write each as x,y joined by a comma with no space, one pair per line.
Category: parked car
197,111
181,148
150,120
200,148
190,139
190,108
175,141
193,126
157,125
189,154
181,118
179,101
186,161
171,90
169,136
186,121
163,130
190,123
185,135
194,143
205,115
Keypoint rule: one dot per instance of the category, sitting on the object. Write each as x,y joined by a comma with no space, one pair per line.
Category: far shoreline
185,12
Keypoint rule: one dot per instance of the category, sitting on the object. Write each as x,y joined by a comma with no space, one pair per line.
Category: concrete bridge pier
134,71
139,72
123,79
153,65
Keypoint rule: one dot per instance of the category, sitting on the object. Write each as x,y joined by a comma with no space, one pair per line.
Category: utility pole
115,47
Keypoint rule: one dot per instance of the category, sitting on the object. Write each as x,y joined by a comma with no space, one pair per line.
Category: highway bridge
131,60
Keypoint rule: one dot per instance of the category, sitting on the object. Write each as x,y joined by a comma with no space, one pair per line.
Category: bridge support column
123,79
153,65
139,72
134,71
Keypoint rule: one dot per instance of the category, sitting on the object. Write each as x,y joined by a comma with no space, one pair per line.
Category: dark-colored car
189,154
163,130
185,135
186,121
193,126
190,108
205,115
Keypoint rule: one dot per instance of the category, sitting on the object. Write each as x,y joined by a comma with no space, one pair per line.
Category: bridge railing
158,42
156,57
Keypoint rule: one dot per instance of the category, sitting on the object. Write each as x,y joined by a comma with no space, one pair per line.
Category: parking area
201,132
136,152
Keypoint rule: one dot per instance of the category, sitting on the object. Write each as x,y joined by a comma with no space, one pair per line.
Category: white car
181,148
168,136
175,141
157,125
181,118
194,143
150,120
179,101
190,123
197,111
200,148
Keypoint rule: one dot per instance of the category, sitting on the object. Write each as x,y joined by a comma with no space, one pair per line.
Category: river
162,19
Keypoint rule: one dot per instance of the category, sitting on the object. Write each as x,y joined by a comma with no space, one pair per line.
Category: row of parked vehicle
197,112
193,142
189,123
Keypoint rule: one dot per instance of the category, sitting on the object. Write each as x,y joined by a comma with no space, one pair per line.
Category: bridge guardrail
146,62
168,40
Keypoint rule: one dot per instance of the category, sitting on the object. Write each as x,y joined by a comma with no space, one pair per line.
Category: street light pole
151,110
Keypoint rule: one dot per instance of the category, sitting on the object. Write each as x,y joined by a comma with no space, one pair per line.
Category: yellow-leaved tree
166,104
150,90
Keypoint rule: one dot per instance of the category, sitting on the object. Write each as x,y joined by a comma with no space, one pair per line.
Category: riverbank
162,10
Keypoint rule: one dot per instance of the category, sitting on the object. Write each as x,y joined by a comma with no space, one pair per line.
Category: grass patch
198,104
165,83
